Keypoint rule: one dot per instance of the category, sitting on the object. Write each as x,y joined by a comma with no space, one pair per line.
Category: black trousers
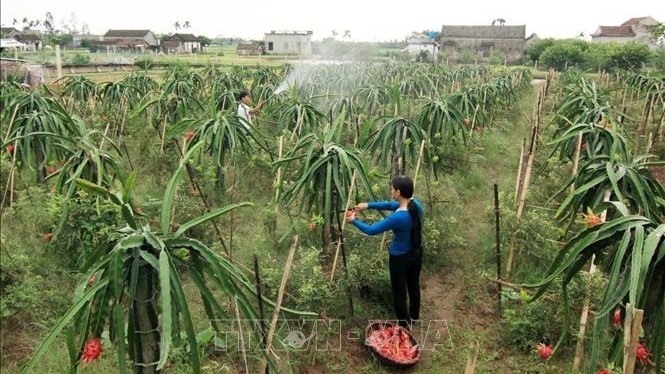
405,279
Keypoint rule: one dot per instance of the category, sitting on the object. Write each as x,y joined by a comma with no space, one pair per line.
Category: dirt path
446,294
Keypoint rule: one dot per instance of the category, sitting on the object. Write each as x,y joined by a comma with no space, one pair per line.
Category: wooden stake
420,159
579,349
339,242
632,326
9,189
473,357
518,182
279,172
498,245
278,303
529,166
11,123
242,338
649,142
527,175
576,159
257,277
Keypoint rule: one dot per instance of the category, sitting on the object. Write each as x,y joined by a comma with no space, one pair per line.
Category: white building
418,44
11,44
634,30
288,42
182,43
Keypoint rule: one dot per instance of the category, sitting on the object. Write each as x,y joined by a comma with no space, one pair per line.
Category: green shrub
630,56
308,284
467,57
35,286
535,49
90,226
143,63
497,58
81,59
563,54
368,274
658,59
528,324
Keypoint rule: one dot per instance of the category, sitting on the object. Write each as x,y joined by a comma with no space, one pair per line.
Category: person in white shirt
245,112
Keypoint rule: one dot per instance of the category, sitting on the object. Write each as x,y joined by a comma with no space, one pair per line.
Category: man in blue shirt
405,262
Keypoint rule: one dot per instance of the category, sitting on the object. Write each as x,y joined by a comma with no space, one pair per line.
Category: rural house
29,40
634,30
481,41
420,43
8,32
248,49
128,40
32,42
11,43
288,42
181,43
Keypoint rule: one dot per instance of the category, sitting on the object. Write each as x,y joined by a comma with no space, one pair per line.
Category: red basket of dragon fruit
392,344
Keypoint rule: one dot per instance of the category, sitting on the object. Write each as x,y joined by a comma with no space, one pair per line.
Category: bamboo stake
518,185
579,349
257,277
576,159
279,172
339,242
420,159
232,218
473,357
649,142
529,165
242,339
527,176
9,189
11,123
278,303
631,337
498,244
584,317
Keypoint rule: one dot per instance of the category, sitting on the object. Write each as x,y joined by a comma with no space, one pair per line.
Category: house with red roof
636,29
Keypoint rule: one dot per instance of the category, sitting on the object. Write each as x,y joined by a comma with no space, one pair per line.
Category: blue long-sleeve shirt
399,221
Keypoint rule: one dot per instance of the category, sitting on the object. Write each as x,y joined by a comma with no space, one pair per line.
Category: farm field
137,208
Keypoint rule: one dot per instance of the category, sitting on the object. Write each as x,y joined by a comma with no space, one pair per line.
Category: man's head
244,97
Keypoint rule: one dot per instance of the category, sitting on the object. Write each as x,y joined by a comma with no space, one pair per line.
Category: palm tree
347,34
177,25
187,25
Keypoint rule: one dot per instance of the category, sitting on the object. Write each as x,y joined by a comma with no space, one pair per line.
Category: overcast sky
367,20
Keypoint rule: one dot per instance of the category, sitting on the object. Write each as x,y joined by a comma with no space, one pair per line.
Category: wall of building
286,43
511,49
617,39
